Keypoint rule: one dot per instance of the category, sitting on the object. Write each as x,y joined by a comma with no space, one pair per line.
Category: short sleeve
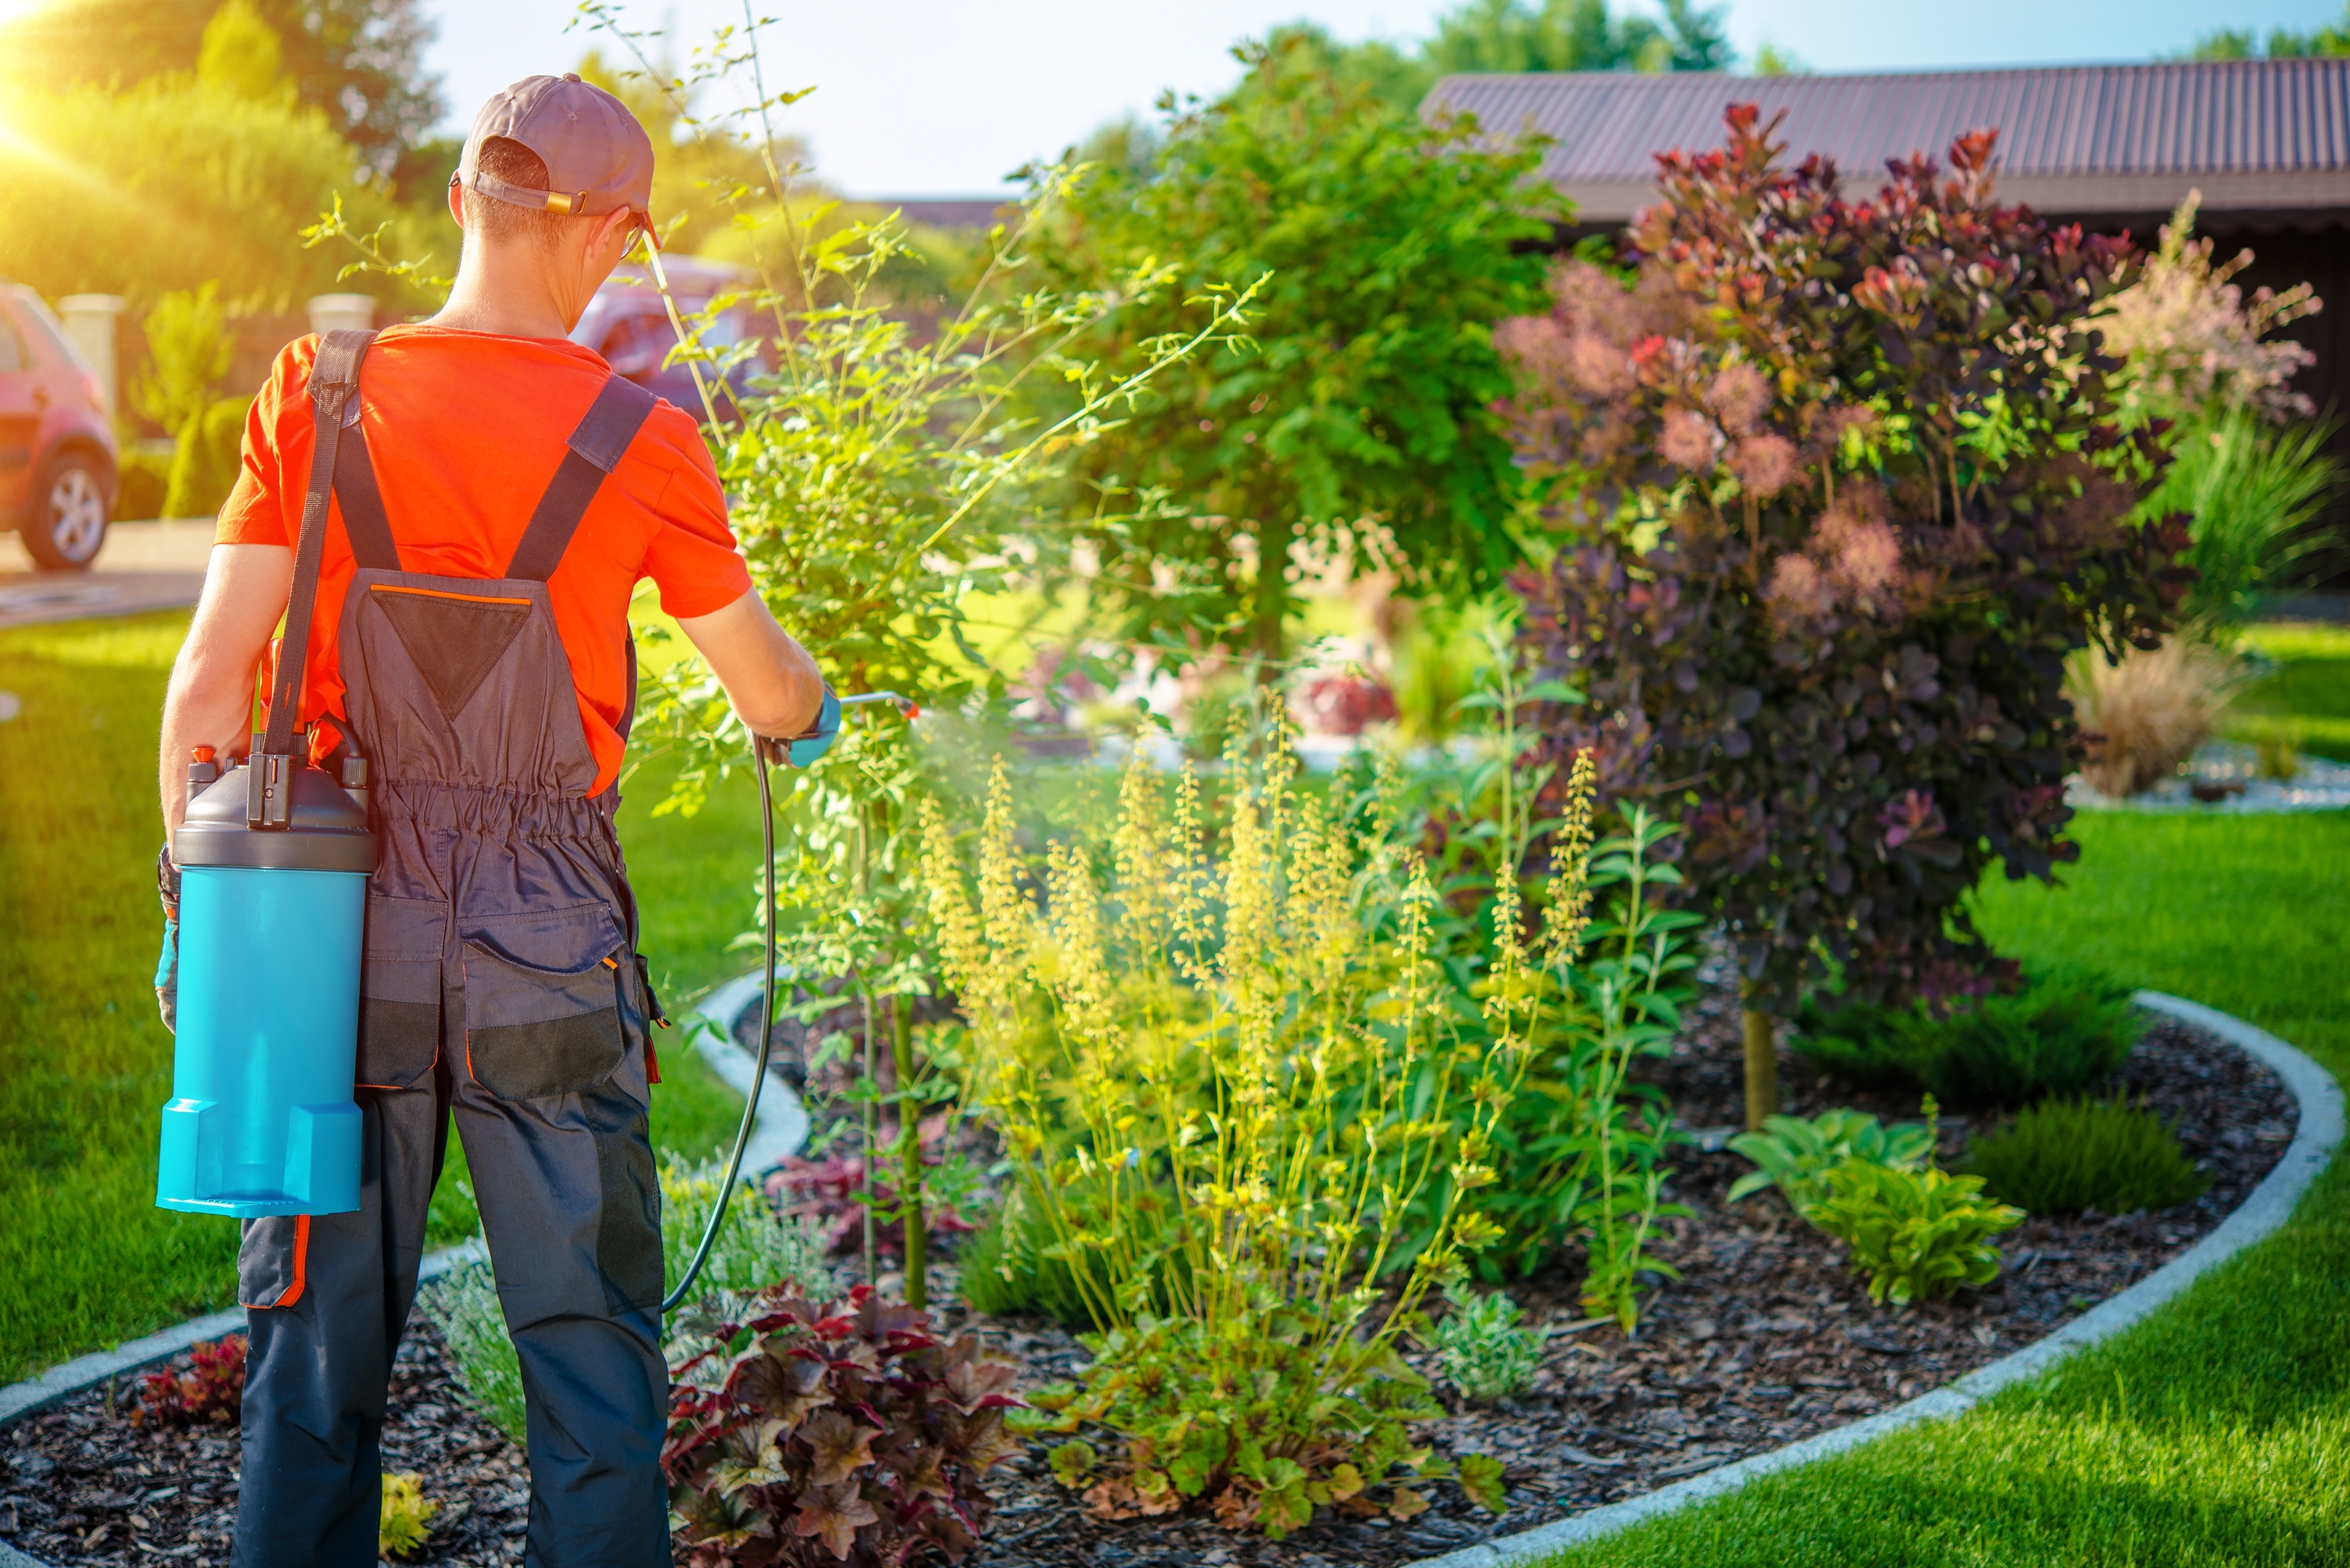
692,557
256,510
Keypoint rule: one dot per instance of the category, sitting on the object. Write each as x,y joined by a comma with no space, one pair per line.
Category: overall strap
334,384
360,498
593,450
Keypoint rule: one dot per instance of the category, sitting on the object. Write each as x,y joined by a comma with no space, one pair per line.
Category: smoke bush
1841,483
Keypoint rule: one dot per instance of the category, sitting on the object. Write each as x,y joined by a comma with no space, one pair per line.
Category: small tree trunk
909,1155
1761,1069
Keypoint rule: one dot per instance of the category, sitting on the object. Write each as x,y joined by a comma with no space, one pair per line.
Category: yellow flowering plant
1227,1075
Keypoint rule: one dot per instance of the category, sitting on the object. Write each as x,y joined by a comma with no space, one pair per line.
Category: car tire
66,512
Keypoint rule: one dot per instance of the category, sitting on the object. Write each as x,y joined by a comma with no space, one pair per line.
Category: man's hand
770,679
210,699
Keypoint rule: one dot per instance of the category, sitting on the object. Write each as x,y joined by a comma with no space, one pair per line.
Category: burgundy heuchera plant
1842,482
813,1436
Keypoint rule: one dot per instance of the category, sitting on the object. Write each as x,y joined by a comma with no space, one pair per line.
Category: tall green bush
188,350
1388,249
168,186
1840,482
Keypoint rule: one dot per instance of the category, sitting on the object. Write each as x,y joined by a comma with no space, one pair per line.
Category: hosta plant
1796,1154
1225,1079
210,1391
814,1434
1916,1233
1487,1354
1837,483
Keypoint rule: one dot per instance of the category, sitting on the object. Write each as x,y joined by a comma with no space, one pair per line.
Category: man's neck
507,291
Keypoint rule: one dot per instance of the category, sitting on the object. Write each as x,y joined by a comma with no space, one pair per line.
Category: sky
946,98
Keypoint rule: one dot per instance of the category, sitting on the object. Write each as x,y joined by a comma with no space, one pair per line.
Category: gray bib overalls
501,984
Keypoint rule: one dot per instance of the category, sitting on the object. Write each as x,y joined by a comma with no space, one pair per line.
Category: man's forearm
197,715
770,680
210,699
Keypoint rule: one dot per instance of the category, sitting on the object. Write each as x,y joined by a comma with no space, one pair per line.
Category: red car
627,324
58,455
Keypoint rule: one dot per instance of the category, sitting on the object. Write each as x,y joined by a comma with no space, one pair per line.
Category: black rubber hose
766,1048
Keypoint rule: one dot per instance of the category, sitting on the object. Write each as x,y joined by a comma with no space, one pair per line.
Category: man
498,495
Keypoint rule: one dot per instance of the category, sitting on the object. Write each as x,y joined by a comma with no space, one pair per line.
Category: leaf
1072,1462
1405,1505
1480,1478
835,1512
837,1446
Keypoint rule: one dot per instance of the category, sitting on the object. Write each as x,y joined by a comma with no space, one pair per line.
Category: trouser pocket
399,990
544,1001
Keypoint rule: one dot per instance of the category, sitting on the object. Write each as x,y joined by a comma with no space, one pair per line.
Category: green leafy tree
1389,247
2283,42
360,63
169,185
1517,36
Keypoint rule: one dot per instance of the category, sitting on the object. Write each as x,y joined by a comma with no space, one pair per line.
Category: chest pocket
548,1010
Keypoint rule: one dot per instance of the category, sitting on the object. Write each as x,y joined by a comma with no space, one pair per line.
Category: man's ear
457,200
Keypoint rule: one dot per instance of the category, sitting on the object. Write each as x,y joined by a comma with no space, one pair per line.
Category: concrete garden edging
781,1127
2317,1136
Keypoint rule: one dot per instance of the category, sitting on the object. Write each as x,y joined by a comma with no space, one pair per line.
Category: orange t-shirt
465,429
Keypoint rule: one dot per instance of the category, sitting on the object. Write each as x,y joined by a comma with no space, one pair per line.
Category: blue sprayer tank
260,1119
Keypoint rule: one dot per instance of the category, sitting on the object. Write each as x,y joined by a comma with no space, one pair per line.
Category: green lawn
2308,699
2218,1432
88,1259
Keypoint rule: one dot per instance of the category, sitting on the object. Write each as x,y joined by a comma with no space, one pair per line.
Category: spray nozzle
905,705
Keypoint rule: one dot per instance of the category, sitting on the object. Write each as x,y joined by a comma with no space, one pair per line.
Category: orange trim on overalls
293,1292
443,594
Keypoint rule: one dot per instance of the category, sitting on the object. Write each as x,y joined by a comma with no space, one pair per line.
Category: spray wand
905,706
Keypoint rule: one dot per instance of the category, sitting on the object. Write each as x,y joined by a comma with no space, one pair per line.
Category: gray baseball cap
597,158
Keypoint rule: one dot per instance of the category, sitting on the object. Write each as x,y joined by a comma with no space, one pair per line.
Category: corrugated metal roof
2250,134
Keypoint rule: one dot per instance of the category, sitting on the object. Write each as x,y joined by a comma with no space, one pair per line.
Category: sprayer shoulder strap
593,450
334,386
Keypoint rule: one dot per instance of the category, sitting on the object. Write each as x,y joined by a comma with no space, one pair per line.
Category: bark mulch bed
80,1483
1767,1338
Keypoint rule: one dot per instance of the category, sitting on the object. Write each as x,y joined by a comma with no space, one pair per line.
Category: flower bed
1768,1338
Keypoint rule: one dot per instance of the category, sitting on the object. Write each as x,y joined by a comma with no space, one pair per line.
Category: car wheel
65,516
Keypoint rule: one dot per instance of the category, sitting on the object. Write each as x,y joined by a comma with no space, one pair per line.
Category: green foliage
1577,35
405,1522
1007,1268
1263,1423
2062,1156
241,55
1868,1043
462,1305
1916,1234
1796,1154
2331,38
1808,460
1226,1081
756,1248
1486,1353
2251,489
804,1434
2067,1028
1485,36
171,184
1388,248
358,63
1444,653
189,348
